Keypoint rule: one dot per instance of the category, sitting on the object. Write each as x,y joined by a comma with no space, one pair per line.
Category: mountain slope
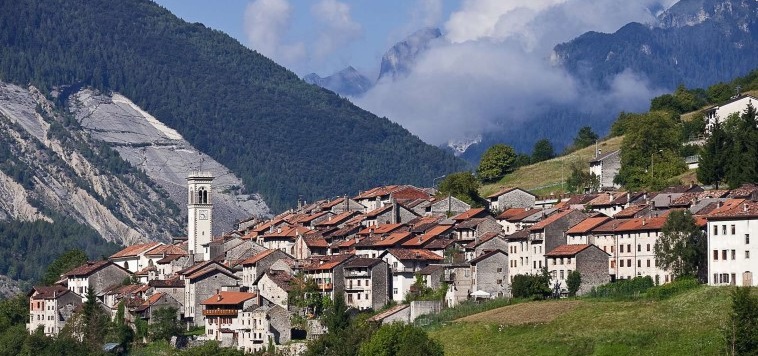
696,43
283,137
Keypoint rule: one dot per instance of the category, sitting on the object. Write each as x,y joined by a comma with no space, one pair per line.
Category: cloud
265,23
426,13
336,28
493,70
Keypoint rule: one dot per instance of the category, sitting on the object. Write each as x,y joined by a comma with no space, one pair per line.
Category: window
561,260
535,264
628,247
499,269
715,255
715,278
639,247
639,263
359,296
540,264
359,283
499,281
562,276
629,262
715,229
747,239
569,261
621,263
648,247
394,290
723,229
621,248
747,254
554,259
733,230
723,255
734,255
648,263
613,264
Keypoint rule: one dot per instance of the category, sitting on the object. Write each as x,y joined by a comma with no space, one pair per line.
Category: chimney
610,197
744,207
643,222
718,205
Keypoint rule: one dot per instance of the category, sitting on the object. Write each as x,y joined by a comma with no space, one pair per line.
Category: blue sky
493,69
380,25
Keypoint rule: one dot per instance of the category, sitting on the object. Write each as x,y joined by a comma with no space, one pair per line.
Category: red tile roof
566,250
135,250
523,215
336,219
610,226
484,238
421,240
385,241
89,268
642,224
630,211
735,208
409,192
509,213
471,213
378,211
378,192
380,229
414,254
167,250
587,225
550,219
486,256
228,298
257,257
324,263
45,292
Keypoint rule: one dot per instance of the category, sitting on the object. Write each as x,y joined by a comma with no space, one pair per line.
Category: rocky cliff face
348,82
399,60
63,161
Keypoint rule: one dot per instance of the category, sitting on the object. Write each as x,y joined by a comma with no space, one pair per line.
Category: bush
670,289
531,286
623,289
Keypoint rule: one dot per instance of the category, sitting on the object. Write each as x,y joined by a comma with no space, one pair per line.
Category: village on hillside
374,248
387,248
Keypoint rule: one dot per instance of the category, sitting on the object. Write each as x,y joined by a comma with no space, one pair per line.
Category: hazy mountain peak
348,82
398,60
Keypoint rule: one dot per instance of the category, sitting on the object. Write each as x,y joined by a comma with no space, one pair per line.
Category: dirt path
525,313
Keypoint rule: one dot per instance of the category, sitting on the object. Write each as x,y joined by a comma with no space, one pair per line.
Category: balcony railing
357,287
325,286
220,312
400,269
357,274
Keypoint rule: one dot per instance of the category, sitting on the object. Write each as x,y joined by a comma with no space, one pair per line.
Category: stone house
474,228
581,233
201,281
159,261
134,258
515,219
490,241
254,266
377,197
283,238
393,213
507,198
459,283
366,283
548,234
173,287
95,276
260,325
438,232
489,273
337,221
152,304
404,264
327,272
310,245
50,308
221,312
589,260
519,247
606,167
373,246
343,205
449,206
274,286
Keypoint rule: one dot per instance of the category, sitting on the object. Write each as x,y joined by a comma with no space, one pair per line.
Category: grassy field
687,324
547,177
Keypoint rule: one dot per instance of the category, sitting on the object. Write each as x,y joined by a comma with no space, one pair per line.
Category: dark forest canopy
283,137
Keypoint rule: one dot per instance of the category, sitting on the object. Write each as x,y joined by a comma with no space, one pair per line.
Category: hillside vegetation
687,324
285,138
548,176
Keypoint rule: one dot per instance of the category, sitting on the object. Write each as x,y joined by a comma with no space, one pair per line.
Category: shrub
623,289
670,289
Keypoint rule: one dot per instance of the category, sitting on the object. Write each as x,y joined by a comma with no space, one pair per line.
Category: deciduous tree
682,246
496,162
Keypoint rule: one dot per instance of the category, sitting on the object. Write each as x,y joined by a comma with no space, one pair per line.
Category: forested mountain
696,43
348,82
283,137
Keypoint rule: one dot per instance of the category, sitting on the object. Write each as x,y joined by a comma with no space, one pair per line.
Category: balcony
325,286
220,312
363,274
357,287
400,269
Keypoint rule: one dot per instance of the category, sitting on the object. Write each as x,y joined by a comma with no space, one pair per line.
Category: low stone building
95,276
589,260
366,283
489,273
50,308
200,282
507,198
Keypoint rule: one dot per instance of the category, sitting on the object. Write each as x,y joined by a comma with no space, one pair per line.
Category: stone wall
205,287
592,264
106,277
516,198
487,275
380,285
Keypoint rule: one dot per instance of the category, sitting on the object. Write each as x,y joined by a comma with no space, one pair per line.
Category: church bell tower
200,215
